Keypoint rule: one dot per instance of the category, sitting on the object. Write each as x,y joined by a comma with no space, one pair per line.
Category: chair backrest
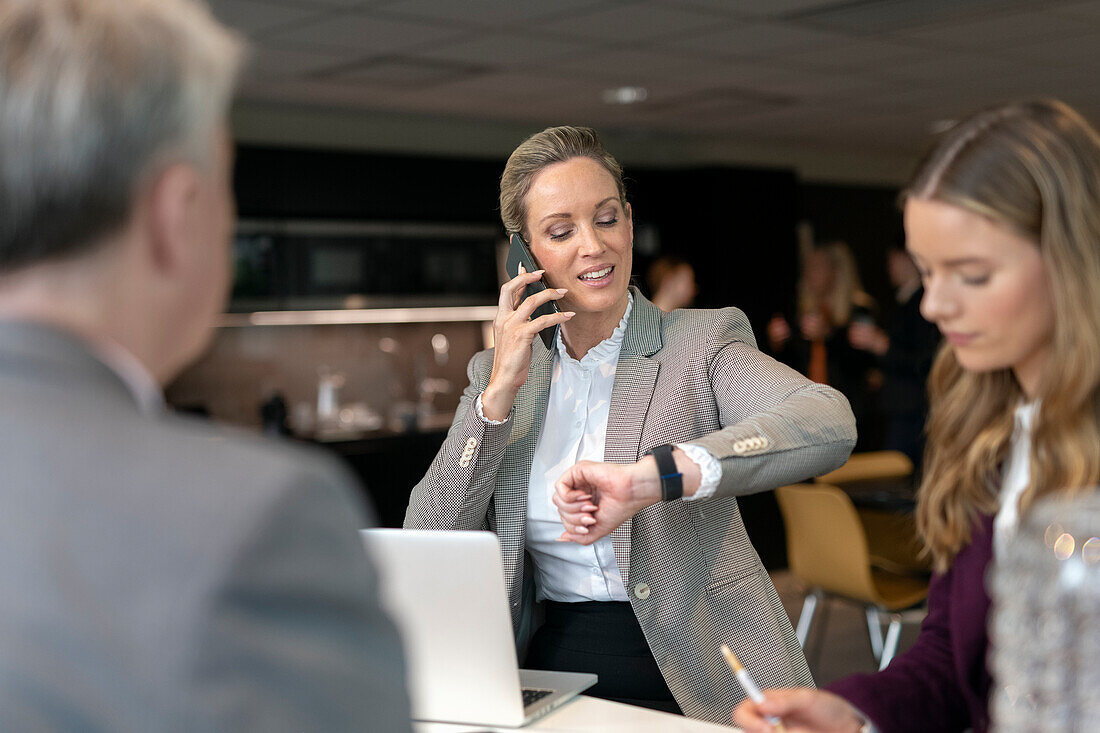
826,545
871,466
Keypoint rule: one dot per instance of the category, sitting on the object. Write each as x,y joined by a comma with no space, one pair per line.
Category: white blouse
1017,472
575,429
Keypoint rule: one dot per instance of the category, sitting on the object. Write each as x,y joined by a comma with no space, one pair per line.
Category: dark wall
735,225
324,184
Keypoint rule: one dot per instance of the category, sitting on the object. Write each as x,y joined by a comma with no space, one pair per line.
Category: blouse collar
606,350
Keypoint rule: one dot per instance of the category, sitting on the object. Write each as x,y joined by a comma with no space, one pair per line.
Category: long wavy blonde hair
1033,167
846,290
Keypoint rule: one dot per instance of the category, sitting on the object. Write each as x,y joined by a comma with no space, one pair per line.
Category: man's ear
172,200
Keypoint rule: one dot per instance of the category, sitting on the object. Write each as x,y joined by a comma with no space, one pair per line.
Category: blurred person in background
1002,222
830,298
671,281
642,591
159,574
905,353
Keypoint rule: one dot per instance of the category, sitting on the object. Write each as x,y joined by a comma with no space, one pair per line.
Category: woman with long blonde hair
830,299
1003,221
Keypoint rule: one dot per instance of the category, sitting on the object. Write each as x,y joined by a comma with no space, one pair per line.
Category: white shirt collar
1025,417
1016,474
574,429
606,350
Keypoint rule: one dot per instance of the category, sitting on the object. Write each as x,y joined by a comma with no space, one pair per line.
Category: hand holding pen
804,710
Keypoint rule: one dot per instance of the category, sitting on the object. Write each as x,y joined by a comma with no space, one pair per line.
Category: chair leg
891,646
802,630
874,630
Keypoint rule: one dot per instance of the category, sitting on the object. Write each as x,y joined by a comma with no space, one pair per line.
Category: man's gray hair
95,95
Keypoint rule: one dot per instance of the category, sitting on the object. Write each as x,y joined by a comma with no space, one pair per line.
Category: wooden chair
878,481
879,465
827,551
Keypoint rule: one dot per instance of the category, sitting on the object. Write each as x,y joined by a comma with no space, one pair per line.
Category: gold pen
748,685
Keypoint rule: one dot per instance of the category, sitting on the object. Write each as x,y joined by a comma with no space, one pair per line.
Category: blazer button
641,591
471,443
739,447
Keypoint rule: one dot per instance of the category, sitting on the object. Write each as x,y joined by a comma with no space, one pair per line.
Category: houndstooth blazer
694,580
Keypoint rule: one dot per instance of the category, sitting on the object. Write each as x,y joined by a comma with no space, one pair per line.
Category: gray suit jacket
160,574
691,376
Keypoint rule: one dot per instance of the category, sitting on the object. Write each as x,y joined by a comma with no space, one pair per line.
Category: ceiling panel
799,84
520,88
401,73
265,62
253,17
753,39
1002,32
946,69
320,93
1090,9
492,13
506,49
1080,52
631,23
754,8
635,66
320,4
829,73
869,17
366,34
854,55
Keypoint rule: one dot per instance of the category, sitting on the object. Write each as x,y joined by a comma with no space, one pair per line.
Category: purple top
942,682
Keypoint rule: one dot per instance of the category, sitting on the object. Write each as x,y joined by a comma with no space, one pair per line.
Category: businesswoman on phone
1003,222
647,590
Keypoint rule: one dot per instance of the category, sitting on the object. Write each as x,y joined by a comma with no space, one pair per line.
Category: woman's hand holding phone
513,332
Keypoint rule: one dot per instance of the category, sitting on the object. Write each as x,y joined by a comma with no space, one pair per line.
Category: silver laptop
446,592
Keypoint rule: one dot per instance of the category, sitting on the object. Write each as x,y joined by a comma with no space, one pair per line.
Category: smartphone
520,254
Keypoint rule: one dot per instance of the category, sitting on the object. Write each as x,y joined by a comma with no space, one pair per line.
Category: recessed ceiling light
625,95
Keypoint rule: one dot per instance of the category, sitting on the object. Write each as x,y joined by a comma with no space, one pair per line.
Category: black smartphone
520,254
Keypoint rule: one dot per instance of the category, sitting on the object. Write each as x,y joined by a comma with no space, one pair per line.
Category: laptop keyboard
531,696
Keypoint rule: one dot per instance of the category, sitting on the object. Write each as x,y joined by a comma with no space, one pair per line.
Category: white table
590,714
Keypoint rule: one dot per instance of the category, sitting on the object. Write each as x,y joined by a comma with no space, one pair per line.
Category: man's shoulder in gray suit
174,575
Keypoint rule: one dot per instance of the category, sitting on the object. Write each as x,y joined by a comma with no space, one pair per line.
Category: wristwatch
672,481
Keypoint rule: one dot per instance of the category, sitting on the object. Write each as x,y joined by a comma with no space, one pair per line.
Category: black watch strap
672,481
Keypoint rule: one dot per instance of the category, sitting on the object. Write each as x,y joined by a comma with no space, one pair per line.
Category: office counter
592,715
389,465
